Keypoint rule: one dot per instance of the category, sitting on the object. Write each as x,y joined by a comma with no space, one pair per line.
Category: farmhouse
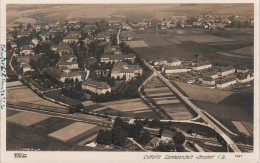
212,74
67,64
44,35
167,135
208,81
175,69
201,66
122,69
155,142
27,68
169,62
225,82
70,39
96,87
244,78
64,49
35,41
117,58
242,69
62,74
109,49
100,36
224,71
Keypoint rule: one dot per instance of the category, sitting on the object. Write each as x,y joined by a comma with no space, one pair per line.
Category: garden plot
27,118
137,44
241,127
72,130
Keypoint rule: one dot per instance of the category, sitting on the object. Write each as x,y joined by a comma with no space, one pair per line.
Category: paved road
118,36
229,141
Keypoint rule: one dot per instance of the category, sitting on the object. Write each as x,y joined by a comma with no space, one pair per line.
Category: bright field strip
27,118
241,127
168,101
126,105
235,55
161,89
72,130
160,94
165,98
180,115
137,44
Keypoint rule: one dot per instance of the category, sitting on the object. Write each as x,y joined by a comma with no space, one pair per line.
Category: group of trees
73,89
121,130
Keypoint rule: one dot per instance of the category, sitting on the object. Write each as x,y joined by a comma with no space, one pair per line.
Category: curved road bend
229,141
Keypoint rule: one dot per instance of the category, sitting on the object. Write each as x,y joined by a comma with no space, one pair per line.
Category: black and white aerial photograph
173,77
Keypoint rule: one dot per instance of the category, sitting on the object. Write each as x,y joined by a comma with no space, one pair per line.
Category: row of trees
121,130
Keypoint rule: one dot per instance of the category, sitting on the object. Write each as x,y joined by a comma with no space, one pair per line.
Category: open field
137,44
27,118
16,94
154,40
234,55
125,108
50,125
19,138
71,131
230,112
249,50
11,112
203,94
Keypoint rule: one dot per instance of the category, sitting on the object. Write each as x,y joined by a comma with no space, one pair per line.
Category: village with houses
112,97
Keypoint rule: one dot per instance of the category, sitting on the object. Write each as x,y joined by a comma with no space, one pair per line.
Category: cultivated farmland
71,131
27,118
203,94
136,44
126,108
166,100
